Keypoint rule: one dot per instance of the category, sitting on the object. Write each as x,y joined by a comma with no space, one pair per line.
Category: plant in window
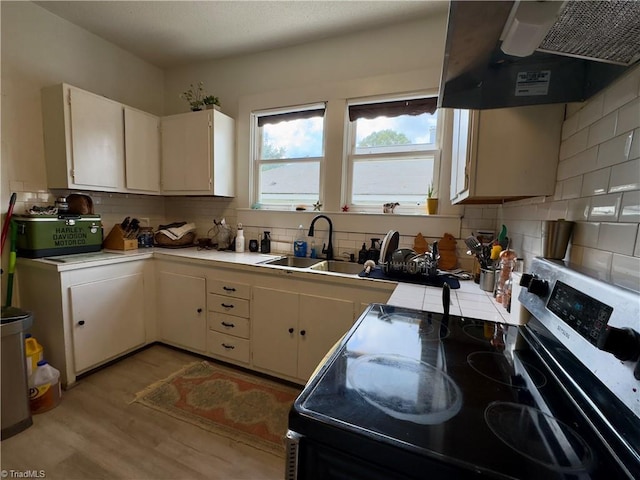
430,191
432,202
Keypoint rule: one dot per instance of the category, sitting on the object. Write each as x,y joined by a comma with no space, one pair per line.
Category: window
393,152
288,155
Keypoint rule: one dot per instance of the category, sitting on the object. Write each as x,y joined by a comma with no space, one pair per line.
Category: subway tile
557,193
557,210
634,150
569,127
617,237
575,254
605,207
603,130
586,234
579,164
571,188
625,176
636,251
621,92
628,117
574,144
595,183
630,207
578,209
625,271
597,260
591,112
615,151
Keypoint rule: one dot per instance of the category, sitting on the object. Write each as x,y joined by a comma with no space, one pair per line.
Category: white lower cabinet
88,316
182,317
107,318
292,332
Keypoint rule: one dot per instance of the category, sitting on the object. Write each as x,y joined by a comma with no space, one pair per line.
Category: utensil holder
487,279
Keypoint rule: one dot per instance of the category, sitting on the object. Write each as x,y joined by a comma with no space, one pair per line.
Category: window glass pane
300,138
379,134
293,182
403,180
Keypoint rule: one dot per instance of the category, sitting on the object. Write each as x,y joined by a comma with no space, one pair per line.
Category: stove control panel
584,314
597,321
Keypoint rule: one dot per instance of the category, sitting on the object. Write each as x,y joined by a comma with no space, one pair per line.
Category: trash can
15,412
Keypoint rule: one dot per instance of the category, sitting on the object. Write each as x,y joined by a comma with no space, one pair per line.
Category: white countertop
468,300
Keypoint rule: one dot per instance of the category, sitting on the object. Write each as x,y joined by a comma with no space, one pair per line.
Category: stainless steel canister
555,238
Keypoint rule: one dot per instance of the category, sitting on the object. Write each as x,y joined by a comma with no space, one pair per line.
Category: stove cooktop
459,391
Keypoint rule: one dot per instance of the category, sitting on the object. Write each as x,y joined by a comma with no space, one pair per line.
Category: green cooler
46,235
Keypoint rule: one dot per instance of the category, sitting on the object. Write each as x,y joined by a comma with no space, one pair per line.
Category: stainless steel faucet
329,250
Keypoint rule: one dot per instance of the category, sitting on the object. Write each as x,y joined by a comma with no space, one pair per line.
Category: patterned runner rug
242,407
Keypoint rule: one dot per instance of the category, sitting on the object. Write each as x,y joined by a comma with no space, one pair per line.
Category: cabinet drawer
228,324
227,346
229,305
230,289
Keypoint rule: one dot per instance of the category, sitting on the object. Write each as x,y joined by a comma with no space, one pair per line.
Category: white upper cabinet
142,151
83,139
198,154
505,154
93,143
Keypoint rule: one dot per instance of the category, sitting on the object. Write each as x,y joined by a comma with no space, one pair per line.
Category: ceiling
172,33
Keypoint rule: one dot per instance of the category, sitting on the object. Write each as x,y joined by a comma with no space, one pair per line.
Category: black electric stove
412,394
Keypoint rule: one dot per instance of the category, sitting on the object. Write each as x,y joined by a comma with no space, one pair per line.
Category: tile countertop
468,300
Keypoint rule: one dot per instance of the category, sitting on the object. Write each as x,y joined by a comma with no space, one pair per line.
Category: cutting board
447,249
420,245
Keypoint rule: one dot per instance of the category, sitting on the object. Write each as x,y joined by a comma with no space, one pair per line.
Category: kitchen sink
296,262
338,267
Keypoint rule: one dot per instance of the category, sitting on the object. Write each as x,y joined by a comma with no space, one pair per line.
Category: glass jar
507,263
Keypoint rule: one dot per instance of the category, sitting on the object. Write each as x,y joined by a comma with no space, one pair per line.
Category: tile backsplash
598,187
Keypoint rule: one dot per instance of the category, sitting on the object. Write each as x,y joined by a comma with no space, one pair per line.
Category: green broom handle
12,260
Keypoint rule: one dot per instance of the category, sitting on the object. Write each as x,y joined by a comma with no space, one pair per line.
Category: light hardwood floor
96,433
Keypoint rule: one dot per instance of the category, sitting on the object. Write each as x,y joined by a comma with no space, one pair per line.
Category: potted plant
432,202
211,102
195,96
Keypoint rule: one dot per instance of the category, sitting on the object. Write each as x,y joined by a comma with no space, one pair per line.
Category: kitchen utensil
420,244
12,261
487,279
368,265
474,245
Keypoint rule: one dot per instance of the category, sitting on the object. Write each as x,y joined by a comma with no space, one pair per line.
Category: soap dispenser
240,239
363,255
265,243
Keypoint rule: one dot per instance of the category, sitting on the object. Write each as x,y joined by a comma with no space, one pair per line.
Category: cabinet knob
81,322
303,332
291,330
199,310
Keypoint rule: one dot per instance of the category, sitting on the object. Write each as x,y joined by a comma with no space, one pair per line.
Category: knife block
116,240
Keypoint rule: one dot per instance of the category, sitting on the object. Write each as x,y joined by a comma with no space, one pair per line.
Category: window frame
258,162
351,157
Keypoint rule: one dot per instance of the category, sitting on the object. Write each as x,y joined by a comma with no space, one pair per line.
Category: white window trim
256,162
417,209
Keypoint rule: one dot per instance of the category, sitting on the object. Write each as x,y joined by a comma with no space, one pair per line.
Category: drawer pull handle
226,306
228,347
225,324
229,289
81,322
303,332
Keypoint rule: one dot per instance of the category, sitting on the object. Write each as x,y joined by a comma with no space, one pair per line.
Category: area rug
241,407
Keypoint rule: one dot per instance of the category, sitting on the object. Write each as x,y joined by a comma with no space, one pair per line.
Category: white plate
391,237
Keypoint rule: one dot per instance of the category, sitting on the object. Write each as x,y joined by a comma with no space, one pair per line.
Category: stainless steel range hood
589,45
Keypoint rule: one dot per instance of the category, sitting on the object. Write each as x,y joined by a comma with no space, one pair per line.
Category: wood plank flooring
95,433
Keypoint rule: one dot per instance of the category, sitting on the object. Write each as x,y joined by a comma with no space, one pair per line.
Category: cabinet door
97,141
323,321
182,313
186,153
107,319
274,334
142,151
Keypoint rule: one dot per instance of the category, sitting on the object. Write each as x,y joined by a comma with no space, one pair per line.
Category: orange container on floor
44,388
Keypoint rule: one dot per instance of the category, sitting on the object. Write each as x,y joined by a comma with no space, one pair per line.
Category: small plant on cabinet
195,96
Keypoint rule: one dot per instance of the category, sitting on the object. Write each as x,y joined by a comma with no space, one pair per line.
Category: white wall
41,49
598,186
